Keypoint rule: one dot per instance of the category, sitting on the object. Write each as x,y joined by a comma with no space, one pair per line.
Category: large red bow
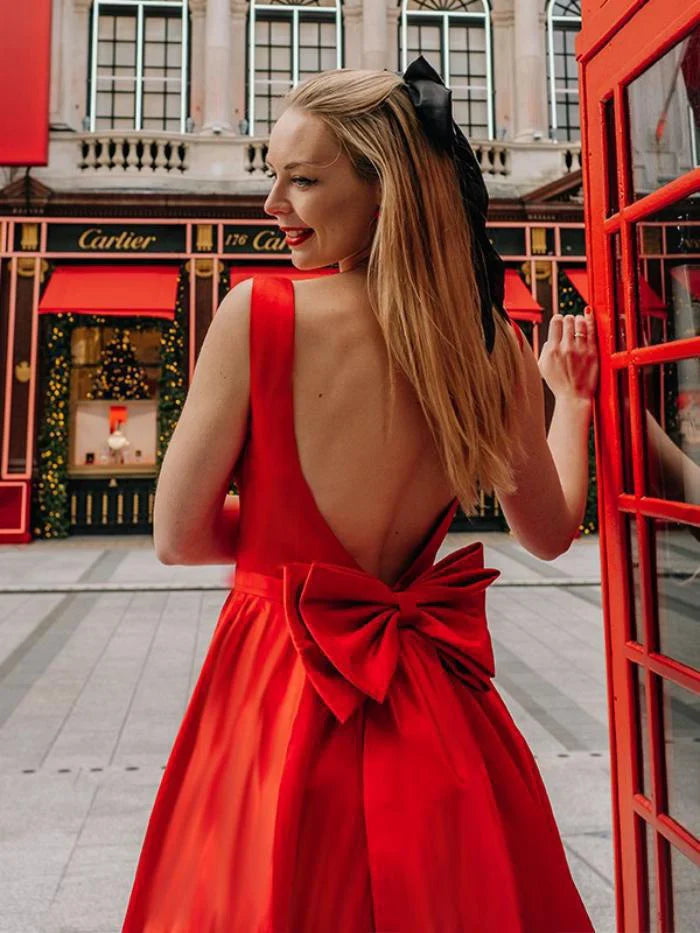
346,623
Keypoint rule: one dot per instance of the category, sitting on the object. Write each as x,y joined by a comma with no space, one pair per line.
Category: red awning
648,299
150,291
518,300
579,279
239,273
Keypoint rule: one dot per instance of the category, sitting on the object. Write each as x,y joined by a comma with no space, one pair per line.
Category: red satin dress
345,763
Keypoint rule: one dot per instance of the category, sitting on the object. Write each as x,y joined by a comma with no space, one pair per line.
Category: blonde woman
345,763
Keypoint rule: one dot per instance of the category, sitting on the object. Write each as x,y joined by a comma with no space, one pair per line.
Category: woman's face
322,194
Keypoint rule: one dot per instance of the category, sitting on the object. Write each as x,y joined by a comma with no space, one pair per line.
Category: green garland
173,356
50,492
50,501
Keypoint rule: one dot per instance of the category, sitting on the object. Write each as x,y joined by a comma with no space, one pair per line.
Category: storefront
102,320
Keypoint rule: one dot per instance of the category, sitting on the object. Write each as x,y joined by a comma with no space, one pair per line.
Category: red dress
345,764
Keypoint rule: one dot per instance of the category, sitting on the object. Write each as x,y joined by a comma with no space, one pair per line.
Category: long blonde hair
420,277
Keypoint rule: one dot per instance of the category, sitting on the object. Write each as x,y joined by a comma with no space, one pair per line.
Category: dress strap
271,346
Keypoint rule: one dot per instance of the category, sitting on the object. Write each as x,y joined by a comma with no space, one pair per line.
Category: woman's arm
546,508
220,546
194,521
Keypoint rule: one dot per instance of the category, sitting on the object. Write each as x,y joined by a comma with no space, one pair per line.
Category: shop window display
114,399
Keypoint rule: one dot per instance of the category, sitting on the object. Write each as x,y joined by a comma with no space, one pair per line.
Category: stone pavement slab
93,687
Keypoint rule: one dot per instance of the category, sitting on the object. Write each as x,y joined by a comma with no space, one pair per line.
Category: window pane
640,700
668,273
281,59
676,549
154,54
681,710
635,583
154,29
152,105
671,408
125,27
105,27
649,836
173,55
685,882
329,58
664,113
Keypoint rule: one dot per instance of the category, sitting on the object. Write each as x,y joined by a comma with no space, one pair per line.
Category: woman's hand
569,359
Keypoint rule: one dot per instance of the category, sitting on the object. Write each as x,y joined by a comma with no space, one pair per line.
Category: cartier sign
255,239
126,239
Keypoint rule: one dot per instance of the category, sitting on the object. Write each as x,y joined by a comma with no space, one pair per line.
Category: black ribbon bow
433,103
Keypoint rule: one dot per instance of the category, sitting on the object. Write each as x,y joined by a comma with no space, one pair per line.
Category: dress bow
346,624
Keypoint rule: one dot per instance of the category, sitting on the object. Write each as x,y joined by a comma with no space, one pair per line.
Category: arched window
455,37
563,22
139,65
288,41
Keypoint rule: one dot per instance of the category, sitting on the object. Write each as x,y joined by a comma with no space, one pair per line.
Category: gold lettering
83,242
268,242
236,239
94,239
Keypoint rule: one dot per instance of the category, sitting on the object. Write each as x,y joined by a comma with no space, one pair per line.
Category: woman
345,763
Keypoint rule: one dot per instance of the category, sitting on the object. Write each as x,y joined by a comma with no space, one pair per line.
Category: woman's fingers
590,326
568,328
556,326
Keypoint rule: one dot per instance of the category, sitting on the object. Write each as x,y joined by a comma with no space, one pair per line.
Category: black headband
433,103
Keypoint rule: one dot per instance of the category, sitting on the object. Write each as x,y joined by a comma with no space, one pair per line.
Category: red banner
25,58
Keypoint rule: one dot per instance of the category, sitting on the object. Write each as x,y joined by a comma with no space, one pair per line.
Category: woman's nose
273,204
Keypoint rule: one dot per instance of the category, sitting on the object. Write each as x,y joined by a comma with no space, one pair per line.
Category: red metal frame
619,40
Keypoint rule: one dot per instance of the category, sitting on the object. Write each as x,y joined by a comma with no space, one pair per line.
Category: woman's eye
299,179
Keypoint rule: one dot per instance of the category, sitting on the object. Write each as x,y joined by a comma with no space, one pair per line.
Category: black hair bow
433,103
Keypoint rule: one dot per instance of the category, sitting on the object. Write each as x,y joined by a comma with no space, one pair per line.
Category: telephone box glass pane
685,882
664,116
640,699
648,843
681,714
668,273
670,395
677,556
623,397
636,628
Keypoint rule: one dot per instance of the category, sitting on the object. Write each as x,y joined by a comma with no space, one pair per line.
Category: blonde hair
420,277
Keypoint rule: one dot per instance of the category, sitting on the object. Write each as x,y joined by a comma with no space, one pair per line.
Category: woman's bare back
379,495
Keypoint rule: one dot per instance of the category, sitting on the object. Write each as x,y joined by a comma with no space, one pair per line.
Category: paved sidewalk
100,648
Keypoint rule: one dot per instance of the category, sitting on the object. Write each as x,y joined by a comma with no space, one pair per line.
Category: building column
502,20
217,70
374,34
393,17
76,36
530,72
57,65
239,41
197,59
352,31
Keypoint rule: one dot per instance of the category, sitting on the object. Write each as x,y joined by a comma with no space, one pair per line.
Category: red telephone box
640,92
